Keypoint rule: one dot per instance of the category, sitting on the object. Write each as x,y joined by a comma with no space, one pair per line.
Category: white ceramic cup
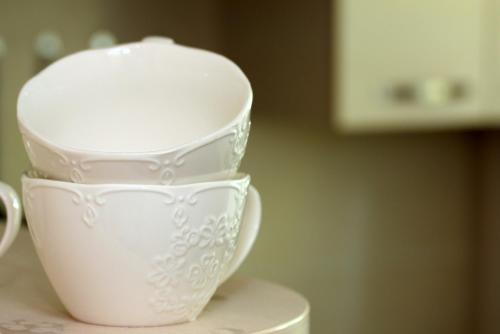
151,112
14,213
140,255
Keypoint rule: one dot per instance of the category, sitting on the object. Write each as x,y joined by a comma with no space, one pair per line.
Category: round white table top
241,306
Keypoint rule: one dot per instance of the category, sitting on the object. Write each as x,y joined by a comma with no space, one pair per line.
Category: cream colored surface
242,305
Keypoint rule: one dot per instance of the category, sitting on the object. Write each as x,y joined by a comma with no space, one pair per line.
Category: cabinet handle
431,92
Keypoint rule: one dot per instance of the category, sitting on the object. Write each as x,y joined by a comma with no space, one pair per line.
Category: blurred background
373,142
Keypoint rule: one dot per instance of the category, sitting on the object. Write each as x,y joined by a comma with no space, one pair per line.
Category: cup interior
138,97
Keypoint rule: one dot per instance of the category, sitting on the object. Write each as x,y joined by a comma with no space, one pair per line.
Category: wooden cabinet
411,65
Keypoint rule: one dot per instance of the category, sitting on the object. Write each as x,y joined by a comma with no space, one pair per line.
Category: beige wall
377,231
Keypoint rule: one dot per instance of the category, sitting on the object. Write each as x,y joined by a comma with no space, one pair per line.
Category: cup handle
249,229
13,210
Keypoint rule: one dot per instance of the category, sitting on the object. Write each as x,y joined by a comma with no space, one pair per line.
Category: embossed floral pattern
25,326
185,276
213,233
239,142
166,272
180,307
200,274
90,201
233,224
179,216
167,168
212,243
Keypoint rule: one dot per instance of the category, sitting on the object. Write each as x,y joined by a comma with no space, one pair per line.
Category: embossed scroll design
167,164
90,201
216,235
239,141
25,326
37,152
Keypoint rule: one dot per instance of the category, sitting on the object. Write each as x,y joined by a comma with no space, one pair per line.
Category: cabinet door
407,64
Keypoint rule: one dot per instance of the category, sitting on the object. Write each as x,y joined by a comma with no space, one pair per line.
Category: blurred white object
49,45
102,39
13,210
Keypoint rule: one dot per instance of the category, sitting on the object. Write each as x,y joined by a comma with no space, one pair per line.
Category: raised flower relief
213,244
210,265
232,227
213,233
239,142
229,252
179,217
184,240
197,277
166,271
165,301
76,168
167,168
90,202
180,307
25,326
203,273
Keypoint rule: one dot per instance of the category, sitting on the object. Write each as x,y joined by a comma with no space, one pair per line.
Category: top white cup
151,112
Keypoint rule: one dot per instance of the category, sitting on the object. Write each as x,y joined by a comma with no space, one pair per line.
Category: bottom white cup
140,255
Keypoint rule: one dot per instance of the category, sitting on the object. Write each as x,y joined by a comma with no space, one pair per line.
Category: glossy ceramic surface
136,255
14,213
152,112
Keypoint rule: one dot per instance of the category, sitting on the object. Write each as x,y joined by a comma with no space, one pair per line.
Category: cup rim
26,130
236,179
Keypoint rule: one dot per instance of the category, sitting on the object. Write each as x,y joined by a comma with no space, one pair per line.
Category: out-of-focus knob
431,92
102,39
49,45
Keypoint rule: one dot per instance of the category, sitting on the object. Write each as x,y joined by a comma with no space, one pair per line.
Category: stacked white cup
135,204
